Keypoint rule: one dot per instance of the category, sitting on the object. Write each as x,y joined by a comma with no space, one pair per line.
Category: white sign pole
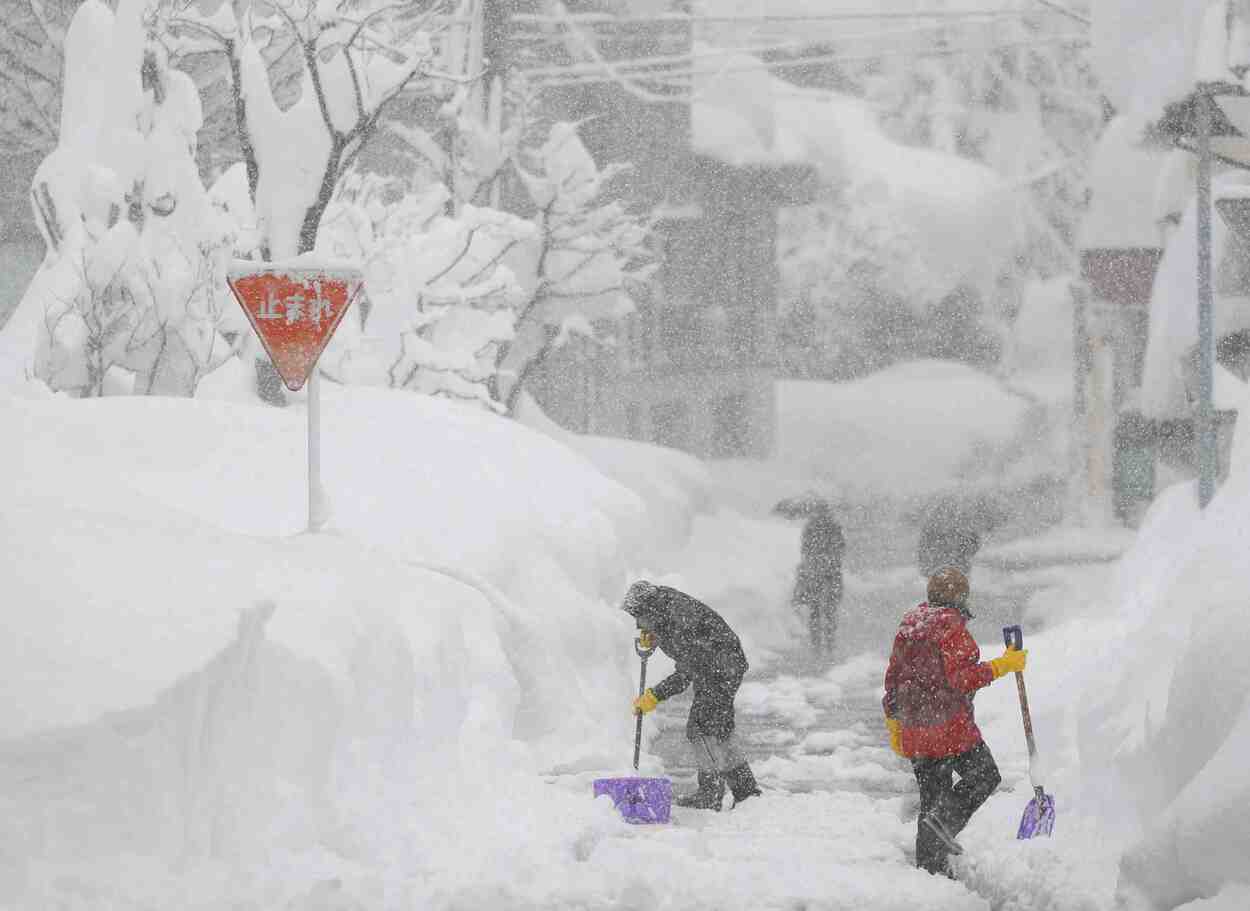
316,501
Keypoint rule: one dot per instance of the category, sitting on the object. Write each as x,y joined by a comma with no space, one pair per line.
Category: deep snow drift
210,709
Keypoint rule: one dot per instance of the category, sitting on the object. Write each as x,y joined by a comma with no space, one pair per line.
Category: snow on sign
294,310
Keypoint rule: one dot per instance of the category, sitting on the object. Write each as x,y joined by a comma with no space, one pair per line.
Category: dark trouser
711,724
954,804
712,709
817,595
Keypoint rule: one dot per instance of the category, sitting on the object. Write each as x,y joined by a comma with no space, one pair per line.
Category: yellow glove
646,640
1012,661
896,735
646,702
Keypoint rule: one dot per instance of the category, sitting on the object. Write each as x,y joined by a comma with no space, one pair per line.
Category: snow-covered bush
129,296
354,63
589,250
466,299
441,300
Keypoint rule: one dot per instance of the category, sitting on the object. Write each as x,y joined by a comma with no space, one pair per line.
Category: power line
669,75
682,18
635,63
1064,11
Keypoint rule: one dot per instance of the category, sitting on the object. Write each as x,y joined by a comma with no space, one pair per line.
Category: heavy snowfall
722,380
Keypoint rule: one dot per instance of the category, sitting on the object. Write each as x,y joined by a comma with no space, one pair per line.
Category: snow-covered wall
1165,733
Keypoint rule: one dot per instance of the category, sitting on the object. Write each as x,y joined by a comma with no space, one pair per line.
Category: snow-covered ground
209,709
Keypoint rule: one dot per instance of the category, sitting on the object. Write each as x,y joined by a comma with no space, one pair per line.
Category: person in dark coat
709,656
818,582
935,670
946,543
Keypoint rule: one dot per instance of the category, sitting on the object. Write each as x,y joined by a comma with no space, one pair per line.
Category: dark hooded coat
707,654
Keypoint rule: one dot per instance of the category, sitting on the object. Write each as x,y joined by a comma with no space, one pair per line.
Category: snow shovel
1039,815
639,800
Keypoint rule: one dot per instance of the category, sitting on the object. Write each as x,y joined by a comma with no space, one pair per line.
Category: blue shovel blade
1039,816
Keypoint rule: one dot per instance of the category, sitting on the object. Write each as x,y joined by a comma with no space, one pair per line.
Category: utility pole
1206,335
1082,438
495,17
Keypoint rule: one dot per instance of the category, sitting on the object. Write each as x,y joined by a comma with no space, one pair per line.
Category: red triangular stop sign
294,310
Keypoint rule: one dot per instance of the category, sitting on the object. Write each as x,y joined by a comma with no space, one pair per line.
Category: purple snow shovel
640,800
1039,815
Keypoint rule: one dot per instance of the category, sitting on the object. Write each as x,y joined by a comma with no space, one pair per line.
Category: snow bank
1173,722
1185,767
674,487
747,577
947,423
190,679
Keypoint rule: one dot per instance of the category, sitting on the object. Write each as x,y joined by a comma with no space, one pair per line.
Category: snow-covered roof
1175,185
1123,179
960,212
1183,42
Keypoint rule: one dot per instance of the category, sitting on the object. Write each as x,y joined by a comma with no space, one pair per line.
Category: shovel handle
644,654
1013,637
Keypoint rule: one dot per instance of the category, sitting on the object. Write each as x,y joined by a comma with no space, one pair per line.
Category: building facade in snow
694,366
1136,326
1121,243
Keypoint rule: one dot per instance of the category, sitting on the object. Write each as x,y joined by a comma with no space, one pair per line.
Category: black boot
709,795
742,783
938,825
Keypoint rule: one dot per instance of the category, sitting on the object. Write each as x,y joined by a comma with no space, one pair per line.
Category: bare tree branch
351,69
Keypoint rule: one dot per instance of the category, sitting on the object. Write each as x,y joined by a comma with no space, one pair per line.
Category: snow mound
218,686
947,424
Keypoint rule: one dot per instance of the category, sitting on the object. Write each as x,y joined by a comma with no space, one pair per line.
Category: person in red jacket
935,669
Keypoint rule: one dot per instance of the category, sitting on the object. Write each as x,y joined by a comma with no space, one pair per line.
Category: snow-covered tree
441,299
466,300
129,297
356,60
1030,109
589,250
1026,105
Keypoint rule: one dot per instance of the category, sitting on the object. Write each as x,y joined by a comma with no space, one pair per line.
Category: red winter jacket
934,671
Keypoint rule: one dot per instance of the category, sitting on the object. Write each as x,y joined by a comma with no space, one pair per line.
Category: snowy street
814,735
834,829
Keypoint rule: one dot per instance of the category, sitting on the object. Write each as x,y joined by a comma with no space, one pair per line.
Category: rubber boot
709,795
741,783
